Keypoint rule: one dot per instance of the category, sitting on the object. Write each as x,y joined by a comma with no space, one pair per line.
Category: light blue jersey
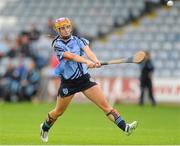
69,69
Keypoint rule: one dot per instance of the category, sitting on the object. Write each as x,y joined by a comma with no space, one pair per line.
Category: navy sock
120,123
46,126
48,123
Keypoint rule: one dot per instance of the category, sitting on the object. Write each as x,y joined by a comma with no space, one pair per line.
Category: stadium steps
152,32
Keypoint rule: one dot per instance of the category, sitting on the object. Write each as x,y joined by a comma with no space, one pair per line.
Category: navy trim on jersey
85,43
58,49
78,72
65,42
54,41
72,76
58,53
80,67
78,75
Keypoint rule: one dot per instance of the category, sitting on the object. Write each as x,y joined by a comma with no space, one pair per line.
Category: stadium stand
157,32
98,16
25,25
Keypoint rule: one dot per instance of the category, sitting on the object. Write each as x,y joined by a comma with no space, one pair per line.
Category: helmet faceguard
63,27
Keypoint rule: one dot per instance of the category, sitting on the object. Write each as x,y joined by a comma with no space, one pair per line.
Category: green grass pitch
85,124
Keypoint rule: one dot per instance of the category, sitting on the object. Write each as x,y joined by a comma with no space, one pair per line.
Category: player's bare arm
91,56
77,58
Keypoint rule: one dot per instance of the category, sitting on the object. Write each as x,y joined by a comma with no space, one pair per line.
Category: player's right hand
97,64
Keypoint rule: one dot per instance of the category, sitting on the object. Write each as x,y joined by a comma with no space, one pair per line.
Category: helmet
61,22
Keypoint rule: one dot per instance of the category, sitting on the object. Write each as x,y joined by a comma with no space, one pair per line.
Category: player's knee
113,114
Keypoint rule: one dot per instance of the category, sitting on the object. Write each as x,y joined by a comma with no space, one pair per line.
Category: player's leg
141,100
150,92
61,105
96,95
